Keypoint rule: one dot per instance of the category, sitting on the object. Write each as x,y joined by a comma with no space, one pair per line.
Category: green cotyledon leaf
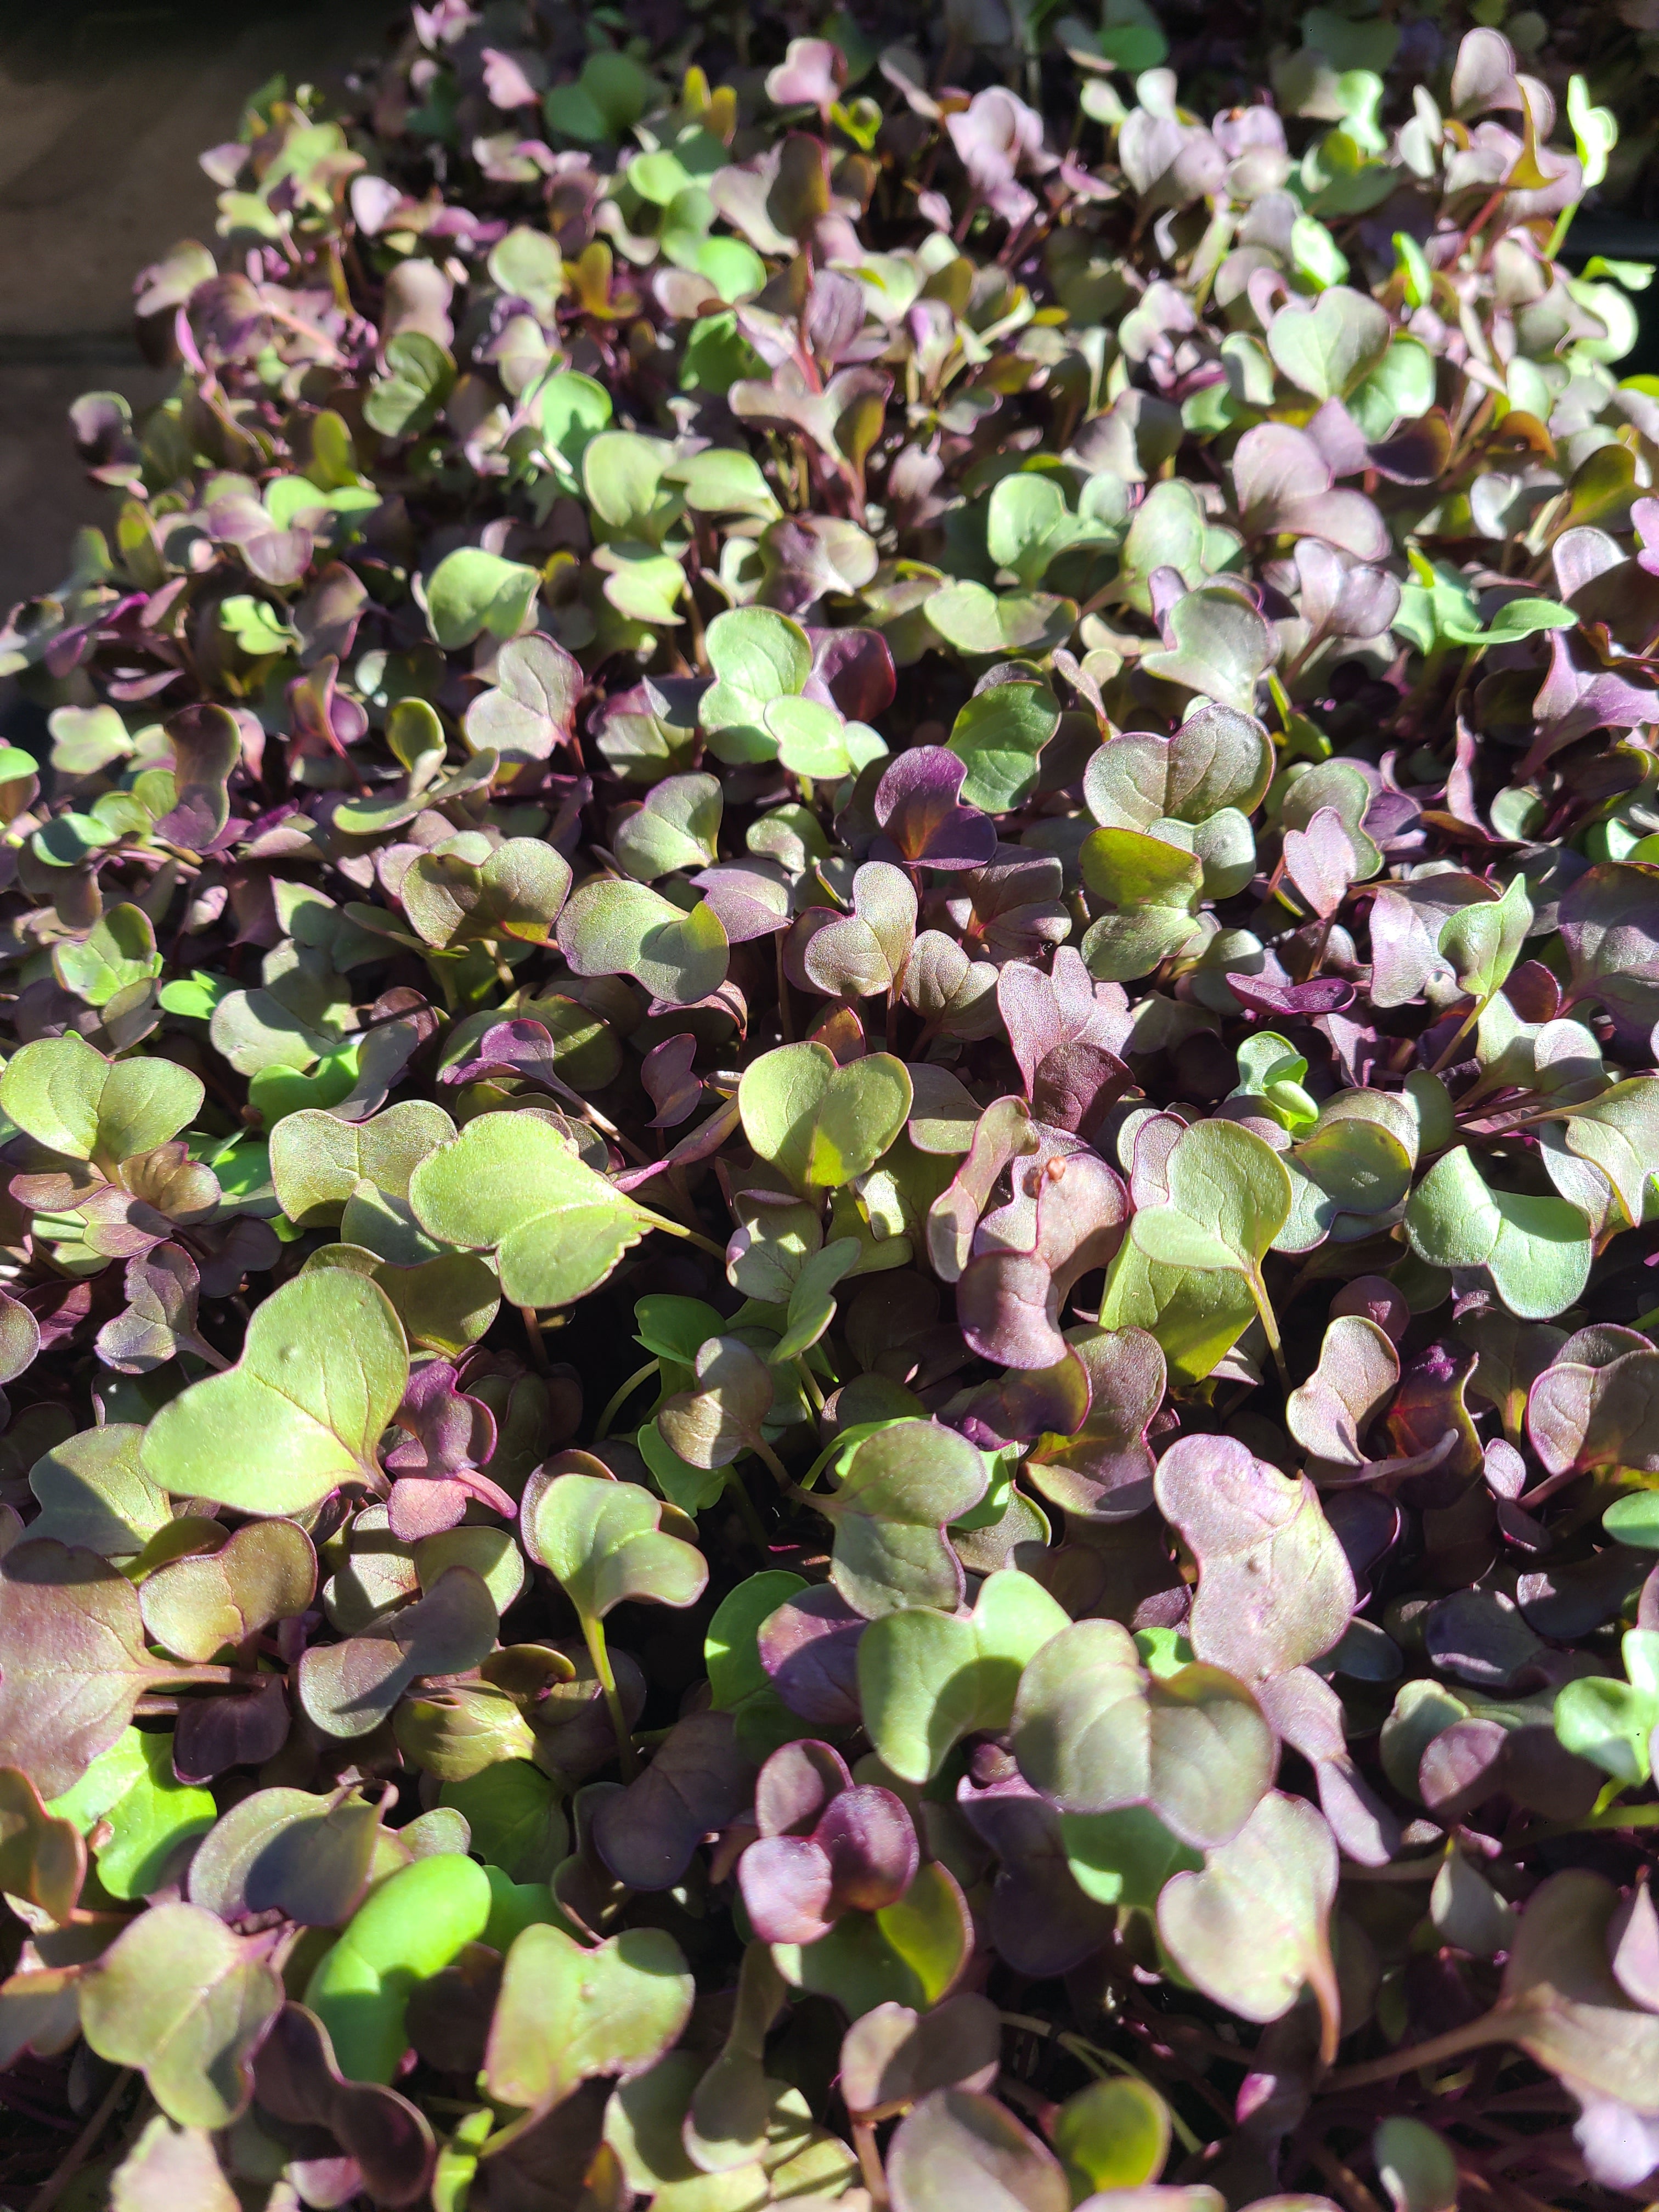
323,1369
509,1182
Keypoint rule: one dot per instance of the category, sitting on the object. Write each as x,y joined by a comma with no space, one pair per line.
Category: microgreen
831,1126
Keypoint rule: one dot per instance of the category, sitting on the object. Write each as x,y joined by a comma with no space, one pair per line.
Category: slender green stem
843,1440
737,1491
1467,1024
764,1452
620,1398
1604,1817
809,1383
678,1228
594,1636
1100,2063
1264,1306
532,1330
820,1464
1472,2036
1558,235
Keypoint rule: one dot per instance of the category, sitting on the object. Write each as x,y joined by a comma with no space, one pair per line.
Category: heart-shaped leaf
998,736
1253,1929
471,590
74,1101
510,1182
959,2147
566,2015
600,1540
517,893
1014,1289
901,1489
758,657
1329,347
820,1124
1219,647
1274,1588
676,827
1226,1197
925,1679
721,1417
1097,1734
267,1572
177,1994
614,928
1536,1250
323,1369
532,708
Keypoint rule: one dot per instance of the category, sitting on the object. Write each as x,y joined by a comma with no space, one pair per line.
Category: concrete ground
104,105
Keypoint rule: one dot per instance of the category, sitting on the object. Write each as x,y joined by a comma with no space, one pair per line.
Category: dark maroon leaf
924,823
295,2080
697,1781
808,1648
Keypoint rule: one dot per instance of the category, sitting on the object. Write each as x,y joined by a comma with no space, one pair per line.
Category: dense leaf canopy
830,1130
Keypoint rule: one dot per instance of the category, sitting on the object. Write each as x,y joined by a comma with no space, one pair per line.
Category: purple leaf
698,1782
917,805
387,2141
1274,1588
808,1648
445,1430
1009,1301
1325,994
1580,696
1040,1920
1610,926
1102,1469
853,671
796,1785
666,1074
1067,1031
861,1855
1283,483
